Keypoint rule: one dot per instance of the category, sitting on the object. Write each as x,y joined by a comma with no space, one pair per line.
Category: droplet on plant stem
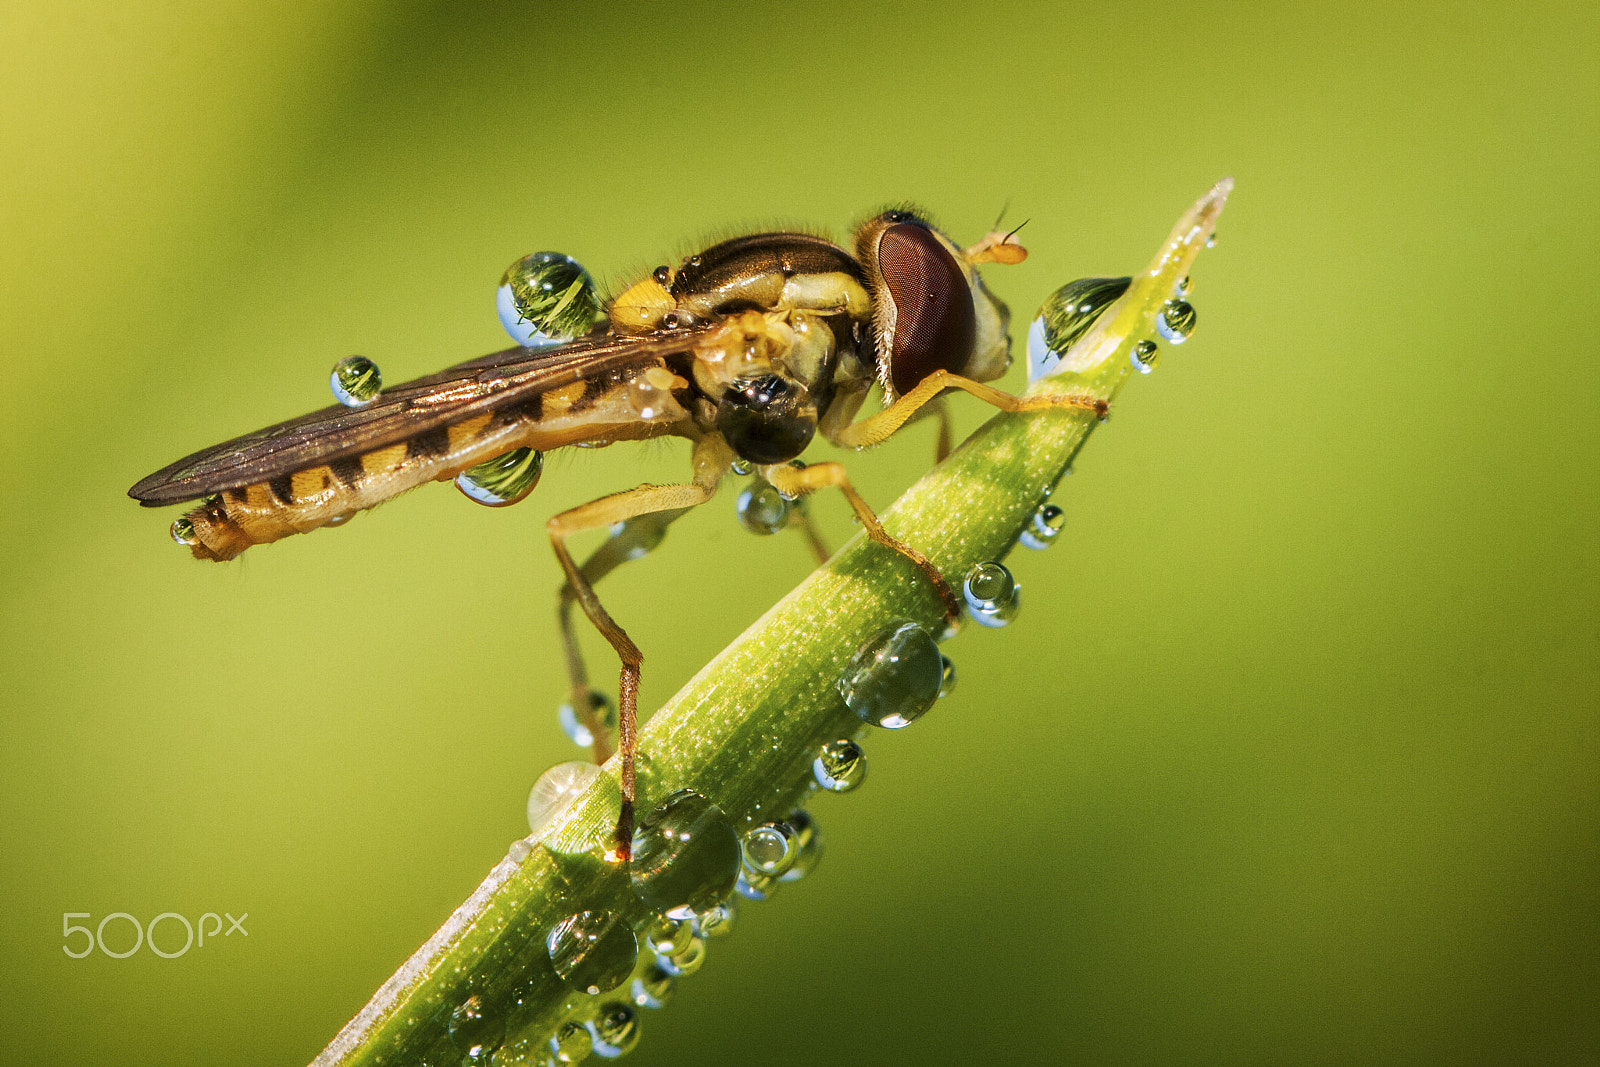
685,855
1067,314
615,1029
770,849
1043,527
989,590
1175,322
805,828
355,381
894,678
947,676
571,1043
556,790
474,1031
840,766
592,951
654,987
1144,355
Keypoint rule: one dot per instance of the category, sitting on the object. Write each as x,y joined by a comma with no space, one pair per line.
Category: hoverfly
748,349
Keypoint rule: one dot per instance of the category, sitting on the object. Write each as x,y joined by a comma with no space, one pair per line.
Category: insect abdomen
229,522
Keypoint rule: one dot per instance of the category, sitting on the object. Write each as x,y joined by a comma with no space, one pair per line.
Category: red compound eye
935,324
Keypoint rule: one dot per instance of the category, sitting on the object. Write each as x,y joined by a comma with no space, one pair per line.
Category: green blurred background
1292,756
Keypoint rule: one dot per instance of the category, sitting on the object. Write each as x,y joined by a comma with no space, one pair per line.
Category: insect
748,349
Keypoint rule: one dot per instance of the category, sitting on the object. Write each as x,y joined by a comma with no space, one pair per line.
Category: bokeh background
1292,756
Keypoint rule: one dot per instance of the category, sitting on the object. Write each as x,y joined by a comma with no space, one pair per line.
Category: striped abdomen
596,410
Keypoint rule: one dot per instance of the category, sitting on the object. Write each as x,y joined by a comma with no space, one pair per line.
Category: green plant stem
745,729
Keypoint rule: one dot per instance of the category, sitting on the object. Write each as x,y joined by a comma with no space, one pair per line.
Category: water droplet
685,855
1043,527
556,791
717,921
687,955
988,586
546,297
637,539
805,828
519,851
992,594
183,532
615,1030
762,509
650,393
755,886
340,520
841,765
601,710
592,951
1176,321
1183,286
355,381
1211,242
474,1031
770,848
894,678
571,1043
742,467
1144,355
654,987
1067,314
503,480
947,676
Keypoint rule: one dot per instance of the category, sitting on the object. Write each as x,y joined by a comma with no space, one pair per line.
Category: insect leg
637,537
711,459
876,428
799,480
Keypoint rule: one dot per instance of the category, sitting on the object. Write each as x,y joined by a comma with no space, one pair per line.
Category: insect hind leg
711,462
638,536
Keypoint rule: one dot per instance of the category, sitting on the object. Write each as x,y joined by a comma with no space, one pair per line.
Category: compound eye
766,419
935,324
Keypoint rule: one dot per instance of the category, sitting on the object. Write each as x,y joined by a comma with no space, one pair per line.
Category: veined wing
401,412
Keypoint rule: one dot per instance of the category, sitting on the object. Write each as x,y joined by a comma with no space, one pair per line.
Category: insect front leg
878,427
711,460
796,481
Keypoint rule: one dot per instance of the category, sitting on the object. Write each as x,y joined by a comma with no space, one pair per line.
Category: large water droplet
546,296
503,480
601,709
1067,314
615,1029
571,1043
762,509
993,596
840,766
770,848
1176,321
654,987
556,791
894,678
355,381
475,1031
183,531
1043,527
805,828
685,855
593,951
1144,356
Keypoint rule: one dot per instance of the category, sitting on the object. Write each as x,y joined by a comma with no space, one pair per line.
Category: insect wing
402,412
